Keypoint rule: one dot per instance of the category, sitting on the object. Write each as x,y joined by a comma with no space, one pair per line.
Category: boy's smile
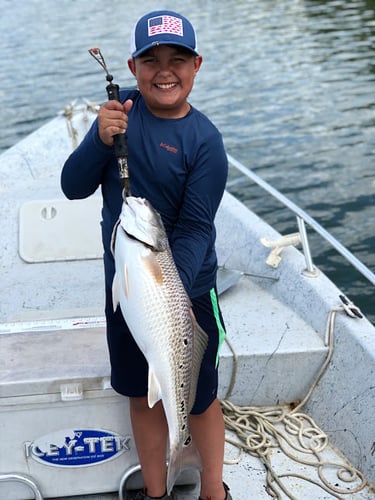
165,76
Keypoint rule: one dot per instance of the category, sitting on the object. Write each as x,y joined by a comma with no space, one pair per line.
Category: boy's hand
113,120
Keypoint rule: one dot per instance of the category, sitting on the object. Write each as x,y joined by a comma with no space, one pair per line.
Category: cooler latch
71,392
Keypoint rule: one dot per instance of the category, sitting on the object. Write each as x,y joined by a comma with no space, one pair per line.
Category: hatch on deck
60,230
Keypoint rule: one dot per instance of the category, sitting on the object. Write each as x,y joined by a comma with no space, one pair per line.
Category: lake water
290,84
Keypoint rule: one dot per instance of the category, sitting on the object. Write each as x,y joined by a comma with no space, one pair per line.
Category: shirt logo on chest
171,149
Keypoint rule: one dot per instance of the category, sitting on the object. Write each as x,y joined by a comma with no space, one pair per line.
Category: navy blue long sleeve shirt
178,165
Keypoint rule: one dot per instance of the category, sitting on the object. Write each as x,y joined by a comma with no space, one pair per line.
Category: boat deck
53,340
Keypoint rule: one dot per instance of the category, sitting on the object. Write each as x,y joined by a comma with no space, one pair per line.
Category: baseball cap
162,27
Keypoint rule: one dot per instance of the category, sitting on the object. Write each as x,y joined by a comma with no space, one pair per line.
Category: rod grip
119,140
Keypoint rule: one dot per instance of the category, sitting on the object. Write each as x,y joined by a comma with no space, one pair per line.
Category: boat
297,371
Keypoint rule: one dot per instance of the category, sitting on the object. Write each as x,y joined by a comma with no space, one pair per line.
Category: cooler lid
50,361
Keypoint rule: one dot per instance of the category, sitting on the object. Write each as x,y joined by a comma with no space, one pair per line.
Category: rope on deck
260,431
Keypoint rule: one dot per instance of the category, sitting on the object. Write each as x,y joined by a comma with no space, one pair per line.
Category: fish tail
184,457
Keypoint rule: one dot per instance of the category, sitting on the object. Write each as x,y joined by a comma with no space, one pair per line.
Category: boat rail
302,219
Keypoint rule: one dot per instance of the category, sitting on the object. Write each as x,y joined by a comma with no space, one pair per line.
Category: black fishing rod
120,140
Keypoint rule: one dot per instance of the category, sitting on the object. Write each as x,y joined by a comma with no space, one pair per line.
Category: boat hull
54,368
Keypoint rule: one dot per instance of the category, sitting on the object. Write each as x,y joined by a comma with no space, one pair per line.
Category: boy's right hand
113,119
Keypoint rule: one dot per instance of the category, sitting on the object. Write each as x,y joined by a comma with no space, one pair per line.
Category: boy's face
165,76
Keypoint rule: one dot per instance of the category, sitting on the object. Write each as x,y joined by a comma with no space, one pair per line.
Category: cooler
61,424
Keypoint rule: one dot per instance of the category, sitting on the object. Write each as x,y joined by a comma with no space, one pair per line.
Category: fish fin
126,281
184,457
113,237
153,267
200,342
115,294
116,286
154,391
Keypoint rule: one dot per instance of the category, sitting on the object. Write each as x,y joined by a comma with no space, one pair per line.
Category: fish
157,310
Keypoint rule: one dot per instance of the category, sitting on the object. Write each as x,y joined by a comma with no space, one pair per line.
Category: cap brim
144,49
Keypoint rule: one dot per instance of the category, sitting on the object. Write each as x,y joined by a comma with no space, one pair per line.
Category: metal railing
302,218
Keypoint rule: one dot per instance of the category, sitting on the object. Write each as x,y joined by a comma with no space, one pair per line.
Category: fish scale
157,310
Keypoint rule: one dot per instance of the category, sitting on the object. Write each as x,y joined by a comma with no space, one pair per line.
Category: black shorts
129,375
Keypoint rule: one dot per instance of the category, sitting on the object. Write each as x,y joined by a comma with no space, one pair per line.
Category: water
290,84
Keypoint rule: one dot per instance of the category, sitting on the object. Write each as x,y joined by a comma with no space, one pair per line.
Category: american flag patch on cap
165,24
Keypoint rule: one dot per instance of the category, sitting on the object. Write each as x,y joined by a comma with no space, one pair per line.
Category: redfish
157,311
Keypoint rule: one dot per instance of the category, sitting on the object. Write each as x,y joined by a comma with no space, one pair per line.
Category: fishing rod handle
119,140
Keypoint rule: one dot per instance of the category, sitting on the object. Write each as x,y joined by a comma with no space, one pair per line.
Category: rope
260,430
71,110
72,131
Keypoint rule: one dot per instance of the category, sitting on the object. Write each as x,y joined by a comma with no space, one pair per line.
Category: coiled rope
260,430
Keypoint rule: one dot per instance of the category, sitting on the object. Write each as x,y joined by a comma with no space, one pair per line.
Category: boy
177,161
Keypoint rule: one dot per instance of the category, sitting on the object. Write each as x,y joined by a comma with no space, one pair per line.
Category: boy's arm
193,231
82,171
